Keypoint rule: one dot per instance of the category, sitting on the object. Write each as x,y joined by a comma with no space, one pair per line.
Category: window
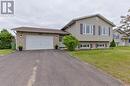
116,36
104,31
84,46
87,29
101,45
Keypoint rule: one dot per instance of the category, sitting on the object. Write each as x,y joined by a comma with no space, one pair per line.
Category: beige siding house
32,38
93,31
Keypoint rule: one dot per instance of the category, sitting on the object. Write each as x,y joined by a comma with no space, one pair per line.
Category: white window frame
91,29
86,44
104,31
101,45
85,29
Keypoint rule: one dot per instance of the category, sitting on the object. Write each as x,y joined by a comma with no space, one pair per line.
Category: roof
85,17
120,31
128,31
39,30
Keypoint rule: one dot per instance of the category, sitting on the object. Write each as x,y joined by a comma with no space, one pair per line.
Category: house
32,38
128,36
93,31
121,37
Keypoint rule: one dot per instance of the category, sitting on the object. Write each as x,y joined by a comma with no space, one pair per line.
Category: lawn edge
100,70
8,53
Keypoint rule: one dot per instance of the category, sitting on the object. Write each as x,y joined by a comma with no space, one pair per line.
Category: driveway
49,68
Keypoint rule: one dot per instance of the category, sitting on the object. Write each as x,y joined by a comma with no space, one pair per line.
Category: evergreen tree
113,44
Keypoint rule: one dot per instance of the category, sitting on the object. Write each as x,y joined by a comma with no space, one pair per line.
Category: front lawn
114,61
6,51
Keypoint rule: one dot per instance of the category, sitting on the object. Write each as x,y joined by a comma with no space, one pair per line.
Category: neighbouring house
93,31
127,31
128,36
121,37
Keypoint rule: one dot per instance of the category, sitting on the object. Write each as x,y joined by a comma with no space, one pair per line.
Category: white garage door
39,42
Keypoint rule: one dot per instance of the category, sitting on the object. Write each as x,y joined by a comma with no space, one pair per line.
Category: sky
56,13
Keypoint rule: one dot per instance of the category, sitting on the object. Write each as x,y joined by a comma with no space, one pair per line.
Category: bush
70,42
113,44
20,48
56,46
5,39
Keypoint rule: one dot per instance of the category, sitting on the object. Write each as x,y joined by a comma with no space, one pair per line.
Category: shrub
113,44
56,46
5,39
70,42
20,48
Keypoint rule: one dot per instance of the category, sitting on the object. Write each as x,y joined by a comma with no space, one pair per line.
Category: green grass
6,51
114,61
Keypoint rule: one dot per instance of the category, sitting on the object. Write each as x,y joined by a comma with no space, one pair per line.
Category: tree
4,30
70,42
113,44
125,21
5,39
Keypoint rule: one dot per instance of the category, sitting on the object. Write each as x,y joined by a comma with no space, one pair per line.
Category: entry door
34,42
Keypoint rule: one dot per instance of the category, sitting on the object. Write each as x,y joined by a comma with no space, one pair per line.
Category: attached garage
39,42
37,38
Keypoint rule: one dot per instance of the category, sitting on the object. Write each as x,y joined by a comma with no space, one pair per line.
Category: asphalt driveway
49,68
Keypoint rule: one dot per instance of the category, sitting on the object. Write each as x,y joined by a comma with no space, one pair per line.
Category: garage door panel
39,42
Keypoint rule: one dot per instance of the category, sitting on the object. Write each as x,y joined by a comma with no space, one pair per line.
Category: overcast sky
56,13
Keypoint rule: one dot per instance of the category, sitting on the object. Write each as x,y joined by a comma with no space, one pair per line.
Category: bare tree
125,21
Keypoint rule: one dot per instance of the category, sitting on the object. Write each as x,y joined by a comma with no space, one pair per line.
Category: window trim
86,44
88,29
104,31
101,45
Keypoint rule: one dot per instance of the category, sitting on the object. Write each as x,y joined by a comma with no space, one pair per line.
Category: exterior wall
75,30
117,38
93,45
21,38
